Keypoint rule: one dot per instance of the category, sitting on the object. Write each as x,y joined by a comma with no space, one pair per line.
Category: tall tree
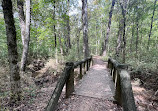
27,34
85,28
12,50
119,39
123,7
68,26
152,18
108,28
54,27
20,4
137,24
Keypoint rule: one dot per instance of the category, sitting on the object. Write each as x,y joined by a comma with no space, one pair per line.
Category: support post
87,65
89,62
118,91
57,91
80,71
70,80
114,74
128,102
84,64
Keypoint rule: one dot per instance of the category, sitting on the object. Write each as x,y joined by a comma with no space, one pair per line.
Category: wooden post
70,80
57,91
118,90
128,102
91,61
80,71
87,65
84,64
114,74
111,68
116,78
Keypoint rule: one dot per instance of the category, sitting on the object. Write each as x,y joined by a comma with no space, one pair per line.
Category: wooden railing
67,77
123,91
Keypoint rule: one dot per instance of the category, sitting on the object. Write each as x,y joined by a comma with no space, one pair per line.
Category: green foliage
42,41
3,43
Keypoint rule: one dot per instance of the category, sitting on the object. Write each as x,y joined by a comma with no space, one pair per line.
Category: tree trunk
78,42
55,36
60,44
12,50
152,18
85,28
132,38
124,30
68,26
137,39
96,52
54,29
119,39
27,36
20,4
108,28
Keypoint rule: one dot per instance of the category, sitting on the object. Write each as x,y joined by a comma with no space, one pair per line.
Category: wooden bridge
108,81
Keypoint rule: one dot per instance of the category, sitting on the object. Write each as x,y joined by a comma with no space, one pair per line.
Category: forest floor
40,80
145,89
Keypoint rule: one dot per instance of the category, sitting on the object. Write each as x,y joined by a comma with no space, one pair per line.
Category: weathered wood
118,96
76,64
87,65
66,77
70,80
84,65
114,74
116,77
128,102
114,63
80,71
90,62
123,93
57,92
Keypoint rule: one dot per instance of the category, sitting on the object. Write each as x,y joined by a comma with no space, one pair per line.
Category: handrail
67,77
123,93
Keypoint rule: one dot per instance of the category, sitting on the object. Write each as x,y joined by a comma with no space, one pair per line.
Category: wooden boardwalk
94,92
97,82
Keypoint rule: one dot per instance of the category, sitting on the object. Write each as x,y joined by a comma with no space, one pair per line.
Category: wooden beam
70,80
57,92
128,102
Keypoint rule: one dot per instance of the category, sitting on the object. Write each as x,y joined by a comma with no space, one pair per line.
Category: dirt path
93,93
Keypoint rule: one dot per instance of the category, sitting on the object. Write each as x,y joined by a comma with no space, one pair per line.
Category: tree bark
132,38
60,44
137,39
119,39
85,28
78,42
55,36
124,29
152,18
108,28
27,36
54,28
12,50
20,5
68,26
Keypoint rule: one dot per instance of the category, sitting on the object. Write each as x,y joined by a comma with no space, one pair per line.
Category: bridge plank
97,82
